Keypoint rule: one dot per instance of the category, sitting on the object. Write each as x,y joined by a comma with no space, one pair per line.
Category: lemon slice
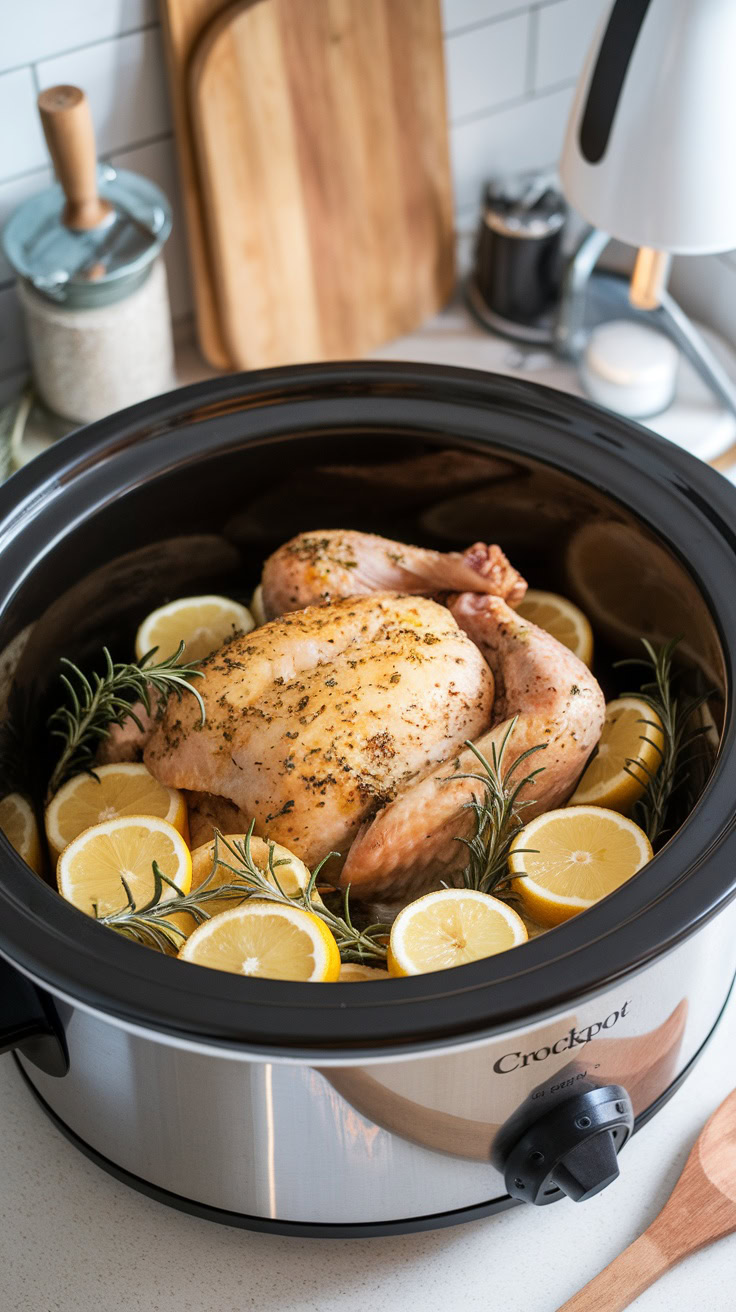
256,607
571,858
266,940
90,868
292,875
18,823
603,558
632,736
450,928
202,623
120,789
558,616
351,972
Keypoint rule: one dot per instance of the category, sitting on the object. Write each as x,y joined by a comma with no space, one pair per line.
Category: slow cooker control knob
571,1148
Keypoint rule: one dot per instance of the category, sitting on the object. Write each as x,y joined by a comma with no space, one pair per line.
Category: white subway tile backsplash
157,161
466,13
510,69
486,66
22,147
12,194
523,136
125,83
564,34
46,27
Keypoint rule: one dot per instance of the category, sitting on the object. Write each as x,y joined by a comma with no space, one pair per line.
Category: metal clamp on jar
91,284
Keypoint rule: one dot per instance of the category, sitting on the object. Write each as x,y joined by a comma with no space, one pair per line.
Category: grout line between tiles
109,156
531,50
514,103
552,88
106,155
25,173
86,45
449,32
484,22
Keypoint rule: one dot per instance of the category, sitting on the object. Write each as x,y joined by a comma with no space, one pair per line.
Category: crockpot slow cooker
368,1108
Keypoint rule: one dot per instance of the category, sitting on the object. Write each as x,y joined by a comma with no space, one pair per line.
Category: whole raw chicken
337,726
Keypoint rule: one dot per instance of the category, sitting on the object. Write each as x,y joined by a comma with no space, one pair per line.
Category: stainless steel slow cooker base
309,1229
363,1140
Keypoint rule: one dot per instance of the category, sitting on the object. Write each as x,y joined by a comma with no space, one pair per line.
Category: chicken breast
319,718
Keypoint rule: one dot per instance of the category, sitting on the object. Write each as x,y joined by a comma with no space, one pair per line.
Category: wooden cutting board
321,140
182,22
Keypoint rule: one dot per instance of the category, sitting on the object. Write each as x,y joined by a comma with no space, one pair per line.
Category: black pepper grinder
515,284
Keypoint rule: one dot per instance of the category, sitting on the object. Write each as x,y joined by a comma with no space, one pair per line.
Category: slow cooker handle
29,1024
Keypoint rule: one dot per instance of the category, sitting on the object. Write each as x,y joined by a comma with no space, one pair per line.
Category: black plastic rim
691,508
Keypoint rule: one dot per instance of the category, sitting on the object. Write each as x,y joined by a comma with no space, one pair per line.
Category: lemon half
450,928
119,789
292,875
632,735
90,868
352,972
257,608
202,623
570,858
558,616
268,941
18,823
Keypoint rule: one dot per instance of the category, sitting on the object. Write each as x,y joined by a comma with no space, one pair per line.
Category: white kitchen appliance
648,154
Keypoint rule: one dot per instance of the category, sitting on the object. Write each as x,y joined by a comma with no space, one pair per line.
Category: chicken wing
325,565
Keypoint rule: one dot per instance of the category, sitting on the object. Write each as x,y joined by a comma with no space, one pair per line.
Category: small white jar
92,361
630,368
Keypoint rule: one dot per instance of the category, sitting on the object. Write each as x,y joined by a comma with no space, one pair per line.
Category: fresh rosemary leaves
676,713
150,924
497,814
104,700
497,810
359,945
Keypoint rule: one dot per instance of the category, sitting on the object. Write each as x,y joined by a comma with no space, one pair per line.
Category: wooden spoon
701,1208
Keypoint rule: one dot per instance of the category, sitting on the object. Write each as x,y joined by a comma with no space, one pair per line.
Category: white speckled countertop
74,1240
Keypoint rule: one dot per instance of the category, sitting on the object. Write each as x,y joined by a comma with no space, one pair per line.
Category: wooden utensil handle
622,1280
67,126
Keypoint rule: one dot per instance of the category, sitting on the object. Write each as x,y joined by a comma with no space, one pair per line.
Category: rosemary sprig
497,814
676,713
360,945
150,924
96,704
